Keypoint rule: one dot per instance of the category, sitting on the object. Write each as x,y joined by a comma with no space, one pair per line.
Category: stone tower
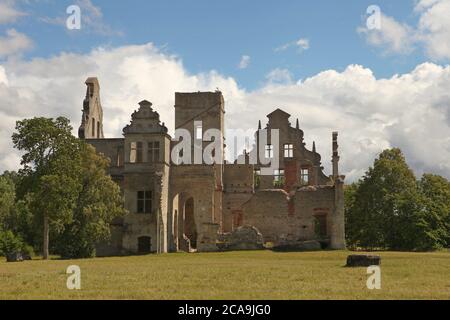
198,112
92,119
197,187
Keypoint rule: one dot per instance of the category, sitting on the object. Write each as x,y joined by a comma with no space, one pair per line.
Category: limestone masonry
193,207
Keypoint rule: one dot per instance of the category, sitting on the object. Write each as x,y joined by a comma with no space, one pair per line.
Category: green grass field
230,275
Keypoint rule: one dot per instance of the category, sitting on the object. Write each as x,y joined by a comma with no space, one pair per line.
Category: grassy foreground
230,275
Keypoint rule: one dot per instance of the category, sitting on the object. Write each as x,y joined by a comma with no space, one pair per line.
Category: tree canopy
64,185
388,209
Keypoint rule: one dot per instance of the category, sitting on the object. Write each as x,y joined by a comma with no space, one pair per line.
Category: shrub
27,251
9,243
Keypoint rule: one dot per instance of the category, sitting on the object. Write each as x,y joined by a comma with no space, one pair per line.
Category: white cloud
8,12
14,42
245,61
92,17
3,78
434,27
432,32
279,77
393,36
301,44
411,111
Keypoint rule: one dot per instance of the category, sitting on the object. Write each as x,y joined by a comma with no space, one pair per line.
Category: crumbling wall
196,182
92,117
243,238
267,210
284,218
238,189
113,149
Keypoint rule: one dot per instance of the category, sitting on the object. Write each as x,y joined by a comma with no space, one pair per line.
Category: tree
352,223
13,176
389,209
383,209
51,164
435,218
7,199
53,202
9,243
98,203
14,214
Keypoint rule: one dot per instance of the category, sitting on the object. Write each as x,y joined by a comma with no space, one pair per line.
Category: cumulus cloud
8,12
410,111
3,78
245,61
432,31
434,27
14,42
301,44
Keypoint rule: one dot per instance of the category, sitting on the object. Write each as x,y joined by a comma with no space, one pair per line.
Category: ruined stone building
185,207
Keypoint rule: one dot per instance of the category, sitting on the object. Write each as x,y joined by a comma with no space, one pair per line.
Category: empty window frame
153,151
278,175
93,128
144,202
139,152
304,176
198,131
320,225
269,151
288,150
133,152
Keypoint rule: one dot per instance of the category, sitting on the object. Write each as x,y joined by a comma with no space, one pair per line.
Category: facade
185,207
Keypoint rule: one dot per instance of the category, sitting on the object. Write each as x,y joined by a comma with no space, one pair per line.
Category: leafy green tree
15,214
389,209
98,203
382,210
352,223
24,222
10,243
7,200
12,176
51,165
435,218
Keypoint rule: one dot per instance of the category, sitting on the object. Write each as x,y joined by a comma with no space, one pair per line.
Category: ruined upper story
92,114
297,165
198,112
146,141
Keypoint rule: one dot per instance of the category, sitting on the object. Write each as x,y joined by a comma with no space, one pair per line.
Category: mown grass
230,275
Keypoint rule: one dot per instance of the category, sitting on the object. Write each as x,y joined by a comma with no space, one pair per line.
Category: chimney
335,158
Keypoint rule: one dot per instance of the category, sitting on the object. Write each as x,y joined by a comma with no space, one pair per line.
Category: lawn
230,275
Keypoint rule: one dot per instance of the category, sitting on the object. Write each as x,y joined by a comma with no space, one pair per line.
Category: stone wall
242,238
199,183
238,188
283,218
113,149
139,224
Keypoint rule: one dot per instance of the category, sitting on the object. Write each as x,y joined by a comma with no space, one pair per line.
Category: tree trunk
46,238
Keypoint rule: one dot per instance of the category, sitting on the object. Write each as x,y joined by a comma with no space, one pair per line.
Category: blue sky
215,35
